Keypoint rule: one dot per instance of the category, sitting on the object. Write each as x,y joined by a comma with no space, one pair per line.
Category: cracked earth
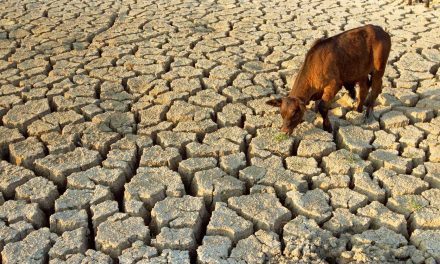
137,132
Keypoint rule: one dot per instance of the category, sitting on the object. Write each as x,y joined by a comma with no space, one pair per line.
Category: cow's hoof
328,128
368,116
369,112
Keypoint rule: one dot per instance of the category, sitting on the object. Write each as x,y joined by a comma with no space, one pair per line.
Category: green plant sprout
281,137
415,205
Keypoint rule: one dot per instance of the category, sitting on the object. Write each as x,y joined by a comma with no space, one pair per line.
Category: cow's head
292,111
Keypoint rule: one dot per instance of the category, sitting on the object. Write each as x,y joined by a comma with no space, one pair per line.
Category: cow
357,56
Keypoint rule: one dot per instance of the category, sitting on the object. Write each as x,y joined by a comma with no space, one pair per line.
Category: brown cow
342,60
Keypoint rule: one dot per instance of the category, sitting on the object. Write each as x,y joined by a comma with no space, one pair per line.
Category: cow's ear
274,102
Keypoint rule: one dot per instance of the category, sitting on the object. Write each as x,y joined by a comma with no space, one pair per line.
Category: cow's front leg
324,105
323,110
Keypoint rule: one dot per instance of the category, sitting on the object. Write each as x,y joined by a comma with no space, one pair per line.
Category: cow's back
348,56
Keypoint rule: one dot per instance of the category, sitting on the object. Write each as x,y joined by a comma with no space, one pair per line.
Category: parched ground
137,132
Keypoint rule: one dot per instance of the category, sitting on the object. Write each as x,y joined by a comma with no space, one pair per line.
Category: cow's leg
323,110
350,87
381,51
409,2
376,89
363,92
326,99
426,3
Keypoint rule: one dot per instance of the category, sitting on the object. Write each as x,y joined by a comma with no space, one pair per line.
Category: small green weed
281,137
415,205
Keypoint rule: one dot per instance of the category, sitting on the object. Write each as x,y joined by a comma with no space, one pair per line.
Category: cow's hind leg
381,51
363,92
376,89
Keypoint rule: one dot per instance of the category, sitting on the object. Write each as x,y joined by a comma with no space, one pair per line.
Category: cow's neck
301,89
